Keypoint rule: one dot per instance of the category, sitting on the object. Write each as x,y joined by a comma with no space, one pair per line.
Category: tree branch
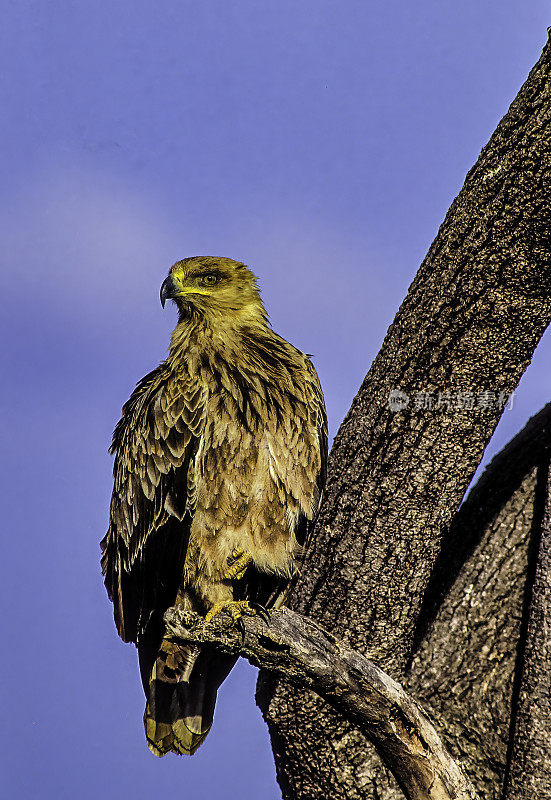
302,651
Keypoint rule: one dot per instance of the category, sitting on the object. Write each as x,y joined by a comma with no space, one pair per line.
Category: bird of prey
220,460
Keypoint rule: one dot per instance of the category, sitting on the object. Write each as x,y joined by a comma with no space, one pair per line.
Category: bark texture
469,638
301,650
529,773
463,337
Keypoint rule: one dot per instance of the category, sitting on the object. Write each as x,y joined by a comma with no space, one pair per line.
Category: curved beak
167,290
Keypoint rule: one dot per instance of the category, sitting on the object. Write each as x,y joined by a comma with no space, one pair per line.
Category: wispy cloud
78,236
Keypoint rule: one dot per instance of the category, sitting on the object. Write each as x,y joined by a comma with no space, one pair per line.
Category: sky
319,142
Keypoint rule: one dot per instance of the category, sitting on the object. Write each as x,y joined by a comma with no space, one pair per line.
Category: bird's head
206,284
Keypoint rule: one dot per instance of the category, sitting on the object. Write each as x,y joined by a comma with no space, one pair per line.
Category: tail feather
184,681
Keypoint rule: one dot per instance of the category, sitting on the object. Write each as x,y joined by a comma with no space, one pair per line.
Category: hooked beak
167,290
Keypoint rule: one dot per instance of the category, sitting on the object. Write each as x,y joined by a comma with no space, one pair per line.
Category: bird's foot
235,608
238,563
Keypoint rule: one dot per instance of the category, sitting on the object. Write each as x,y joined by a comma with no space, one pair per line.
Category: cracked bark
470,323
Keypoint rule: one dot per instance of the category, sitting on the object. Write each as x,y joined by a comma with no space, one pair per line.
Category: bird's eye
209,280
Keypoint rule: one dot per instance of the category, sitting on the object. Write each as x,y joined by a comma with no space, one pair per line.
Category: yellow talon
239,562
235,608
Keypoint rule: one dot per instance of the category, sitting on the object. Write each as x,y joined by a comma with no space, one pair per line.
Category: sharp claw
239,624
262,612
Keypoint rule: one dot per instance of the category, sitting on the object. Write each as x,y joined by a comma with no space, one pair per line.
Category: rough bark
472,318
529,773
301,650
465,661
467,643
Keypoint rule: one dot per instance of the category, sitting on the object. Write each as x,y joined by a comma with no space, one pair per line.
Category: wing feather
154,444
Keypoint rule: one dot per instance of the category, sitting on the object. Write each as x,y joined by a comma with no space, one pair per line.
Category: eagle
220,463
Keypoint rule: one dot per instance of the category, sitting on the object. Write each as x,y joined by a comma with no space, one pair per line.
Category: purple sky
321,143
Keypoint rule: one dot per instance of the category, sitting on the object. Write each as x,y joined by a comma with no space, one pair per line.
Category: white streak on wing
274,465
292,518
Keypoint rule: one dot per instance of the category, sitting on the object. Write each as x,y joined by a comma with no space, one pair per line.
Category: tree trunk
529,768
398,471
468,639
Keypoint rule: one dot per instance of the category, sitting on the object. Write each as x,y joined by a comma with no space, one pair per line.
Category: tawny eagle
220,461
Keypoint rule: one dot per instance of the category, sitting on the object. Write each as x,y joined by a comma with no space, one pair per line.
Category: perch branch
303,652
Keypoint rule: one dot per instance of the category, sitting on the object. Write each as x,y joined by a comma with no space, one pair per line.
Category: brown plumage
220,462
